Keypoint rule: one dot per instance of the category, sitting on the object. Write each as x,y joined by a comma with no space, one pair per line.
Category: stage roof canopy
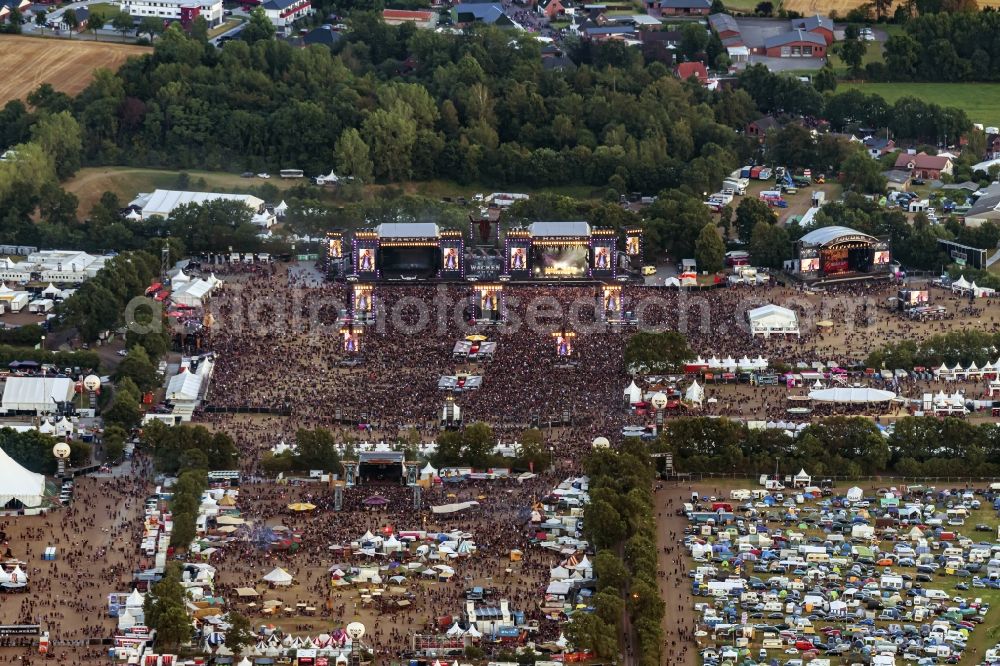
407,230
559,229
828,235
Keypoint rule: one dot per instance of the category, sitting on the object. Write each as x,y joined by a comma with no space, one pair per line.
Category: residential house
490,13
924,166
760,127
283,13
7,8
184,11
878,146
324,35
678,7
551,9
992,147
725,25
686,70
795,44
897,179
421,19
660,45
553,58
816,24
82,14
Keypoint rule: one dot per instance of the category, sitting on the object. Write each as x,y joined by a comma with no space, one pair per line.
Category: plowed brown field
68,65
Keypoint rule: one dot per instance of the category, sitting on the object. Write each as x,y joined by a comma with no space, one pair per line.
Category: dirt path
678,650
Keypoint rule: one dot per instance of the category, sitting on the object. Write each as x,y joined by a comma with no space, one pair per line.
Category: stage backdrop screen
559,260
409,258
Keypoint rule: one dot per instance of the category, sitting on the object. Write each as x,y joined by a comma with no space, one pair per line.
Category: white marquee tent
770,318
35,394
184,387
695,394
278,576
851,395
633,393
18,483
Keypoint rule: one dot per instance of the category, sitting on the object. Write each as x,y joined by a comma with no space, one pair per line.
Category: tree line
945,46
620,524
840,446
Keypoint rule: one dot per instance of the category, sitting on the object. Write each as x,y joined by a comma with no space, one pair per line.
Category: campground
678,586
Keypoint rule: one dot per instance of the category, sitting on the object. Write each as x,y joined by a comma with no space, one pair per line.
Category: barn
795,44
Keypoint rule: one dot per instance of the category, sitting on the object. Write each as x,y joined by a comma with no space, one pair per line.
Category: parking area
797,571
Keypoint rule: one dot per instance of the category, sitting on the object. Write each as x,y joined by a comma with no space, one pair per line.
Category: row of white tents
963,286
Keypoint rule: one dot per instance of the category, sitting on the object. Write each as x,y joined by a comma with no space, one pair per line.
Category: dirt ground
96,540
66,64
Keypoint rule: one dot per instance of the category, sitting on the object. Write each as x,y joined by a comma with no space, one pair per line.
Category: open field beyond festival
66,64
980,100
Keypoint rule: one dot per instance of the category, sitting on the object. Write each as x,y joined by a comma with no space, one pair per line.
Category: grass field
66,64
224,27
88,185
980,100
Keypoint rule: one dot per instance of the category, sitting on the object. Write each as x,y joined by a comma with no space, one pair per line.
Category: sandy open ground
66,64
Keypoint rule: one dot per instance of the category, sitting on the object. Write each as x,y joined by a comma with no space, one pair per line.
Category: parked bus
291,173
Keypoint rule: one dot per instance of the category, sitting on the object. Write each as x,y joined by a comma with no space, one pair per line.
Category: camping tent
35,394
769,319
278,576
633,393
17,483
854,494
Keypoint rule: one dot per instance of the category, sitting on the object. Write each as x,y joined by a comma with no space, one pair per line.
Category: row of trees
963,346
945,47
473,447
184,505
313,449
909,118
841,446
181,447
620,524
33,450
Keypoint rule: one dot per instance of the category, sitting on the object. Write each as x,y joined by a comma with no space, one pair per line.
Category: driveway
787,64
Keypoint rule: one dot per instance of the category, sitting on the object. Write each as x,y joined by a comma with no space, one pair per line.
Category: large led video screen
402,259
559,261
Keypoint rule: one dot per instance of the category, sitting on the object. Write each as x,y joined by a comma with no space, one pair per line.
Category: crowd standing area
307,570
277,338
95,540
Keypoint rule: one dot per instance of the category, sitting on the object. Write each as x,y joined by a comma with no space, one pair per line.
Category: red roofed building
924,166
686,70
399,16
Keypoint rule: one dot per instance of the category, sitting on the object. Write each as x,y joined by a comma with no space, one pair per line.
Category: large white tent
278,576
35,394
18,483
184,387
851,395
775,319
193,294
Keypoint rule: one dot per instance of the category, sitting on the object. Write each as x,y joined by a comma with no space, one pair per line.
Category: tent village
803,572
